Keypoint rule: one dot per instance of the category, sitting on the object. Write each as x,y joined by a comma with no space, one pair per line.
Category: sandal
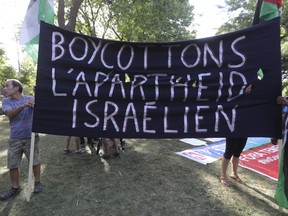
237,178
67,151
224,181
105,156
80,151
116,154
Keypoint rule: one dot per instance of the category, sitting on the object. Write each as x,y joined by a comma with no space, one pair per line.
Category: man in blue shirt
19,109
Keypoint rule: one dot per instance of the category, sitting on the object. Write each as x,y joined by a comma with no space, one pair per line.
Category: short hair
16,83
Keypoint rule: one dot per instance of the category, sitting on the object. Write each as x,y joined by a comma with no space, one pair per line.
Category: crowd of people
80,145
19,109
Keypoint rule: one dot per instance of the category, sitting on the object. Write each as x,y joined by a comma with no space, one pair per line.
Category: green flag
29,36
281,195
269,9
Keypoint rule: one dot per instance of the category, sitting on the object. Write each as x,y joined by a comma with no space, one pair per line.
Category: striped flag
270,9
29,36
267,10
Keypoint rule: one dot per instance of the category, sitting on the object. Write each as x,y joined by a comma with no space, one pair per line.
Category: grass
148,179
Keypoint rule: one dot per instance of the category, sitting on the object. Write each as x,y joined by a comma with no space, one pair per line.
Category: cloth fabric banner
214,151
29,36
263,160
88,86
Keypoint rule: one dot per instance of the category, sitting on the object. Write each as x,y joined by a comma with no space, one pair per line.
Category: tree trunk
73,11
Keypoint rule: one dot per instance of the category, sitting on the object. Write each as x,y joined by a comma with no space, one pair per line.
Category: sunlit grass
147,179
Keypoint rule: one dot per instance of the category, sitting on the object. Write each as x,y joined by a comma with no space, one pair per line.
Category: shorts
16,149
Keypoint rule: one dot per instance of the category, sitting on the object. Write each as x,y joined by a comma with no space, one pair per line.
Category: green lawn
149,179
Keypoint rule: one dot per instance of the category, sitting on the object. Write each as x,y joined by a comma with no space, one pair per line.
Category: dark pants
82,140
234,147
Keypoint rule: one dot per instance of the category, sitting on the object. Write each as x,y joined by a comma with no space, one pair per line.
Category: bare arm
12,113
282,100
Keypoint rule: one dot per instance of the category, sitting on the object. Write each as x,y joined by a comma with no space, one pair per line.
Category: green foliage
92,17
152,21
27,75
135,20
240,15
6,70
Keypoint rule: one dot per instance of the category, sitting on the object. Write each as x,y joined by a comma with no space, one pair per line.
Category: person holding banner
89,141
281,195
284,117
234,147
67,140
233,150
19,109
106,148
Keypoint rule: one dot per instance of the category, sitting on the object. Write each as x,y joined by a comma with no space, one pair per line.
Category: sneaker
37,187
11,193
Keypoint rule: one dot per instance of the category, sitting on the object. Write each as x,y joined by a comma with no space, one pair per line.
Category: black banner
88,86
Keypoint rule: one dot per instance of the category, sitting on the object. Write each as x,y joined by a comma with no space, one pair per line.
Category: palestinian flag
281,195
267,10
29,36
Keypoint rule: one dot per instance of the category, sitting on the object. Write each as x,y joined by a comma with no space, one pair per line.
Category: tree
27,75
6,70
93,17
240,14
135,20
67,13
152,21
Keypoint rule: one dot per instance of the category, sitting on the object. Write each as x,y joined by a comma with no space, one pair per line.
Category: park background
149,178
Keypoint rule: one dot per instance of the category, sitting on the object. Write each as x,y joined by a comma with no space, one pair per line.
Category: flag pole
30,171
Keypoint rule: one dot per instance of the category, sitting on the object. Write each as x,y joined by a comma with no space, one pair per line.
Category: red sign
263,160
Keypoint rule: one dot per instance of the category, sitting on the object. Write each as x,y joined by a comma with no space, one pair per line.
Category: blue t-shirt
21,124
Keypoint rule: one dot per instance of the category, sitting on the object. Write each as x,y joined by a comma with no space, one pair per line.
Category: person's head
12,87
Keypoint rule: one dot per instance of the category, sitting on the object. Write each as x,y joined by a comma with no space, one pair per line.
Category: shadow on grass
148,179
